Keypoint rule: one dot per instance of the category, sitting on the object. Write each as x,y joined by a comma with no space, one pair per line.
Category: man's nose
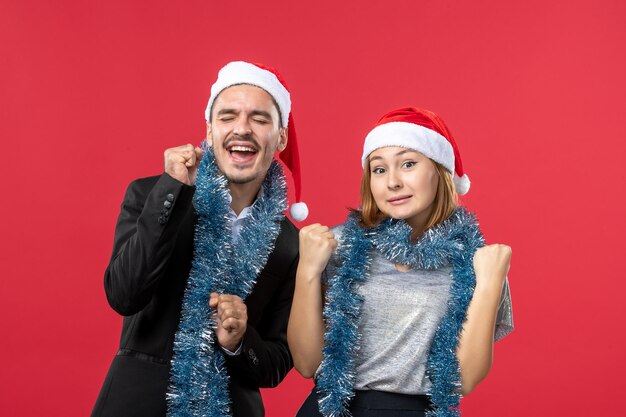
242,126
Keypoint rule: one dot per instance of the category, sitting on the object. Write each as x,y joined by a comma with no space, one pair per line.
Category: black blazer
145,282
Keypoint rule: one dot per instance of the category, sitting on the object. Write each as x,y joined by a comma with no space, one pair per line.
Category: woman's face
404,184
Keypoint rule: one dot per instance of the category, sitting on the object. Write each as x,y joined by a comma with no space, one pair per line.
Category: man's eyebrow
226,111
261,113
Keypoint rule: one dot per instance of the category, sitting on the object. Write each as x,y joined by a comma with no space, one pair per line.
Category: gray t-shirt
399,317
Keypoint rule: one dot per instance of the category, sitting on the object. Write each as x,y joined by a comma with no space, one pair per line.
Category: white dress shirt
237,222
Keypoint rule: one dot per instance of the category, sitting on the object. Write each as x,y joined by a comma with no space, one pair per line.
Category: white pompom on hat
267,78
423,131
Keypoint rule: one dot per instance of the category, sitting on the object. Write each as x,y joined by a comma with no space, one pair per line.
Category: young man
204,262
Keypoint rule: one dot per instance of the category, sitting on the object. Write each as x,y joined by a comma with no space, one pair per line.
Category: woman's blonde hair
446,199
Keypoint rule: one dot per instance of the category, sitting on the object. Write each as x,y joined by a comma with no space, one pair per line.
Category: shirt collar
246,210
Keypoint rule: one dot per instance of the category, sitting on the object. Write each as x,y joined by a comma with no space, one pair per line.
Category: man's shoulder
287,227
286,245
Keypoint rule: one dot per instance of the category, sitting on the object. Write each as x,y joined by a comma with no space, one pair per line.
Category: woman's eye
378,170
408,164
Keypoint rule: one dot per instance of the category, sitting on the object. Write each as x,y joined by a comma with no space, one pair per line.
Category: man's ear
209,134
282,140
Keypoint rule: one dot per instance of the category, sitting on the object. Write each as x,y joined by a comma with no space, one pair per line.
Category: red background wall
92,92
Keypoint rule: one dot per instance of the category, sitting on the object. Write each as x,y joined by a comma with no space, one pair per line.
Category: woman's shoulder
353,220
338,230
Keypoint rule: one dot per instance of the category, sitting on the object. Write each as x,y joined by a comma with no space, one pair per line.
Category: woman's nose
393,181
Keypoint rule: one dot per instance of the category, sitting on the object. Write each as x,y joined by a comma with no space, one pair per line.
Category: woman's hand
491,264
305,332
317,244
475,351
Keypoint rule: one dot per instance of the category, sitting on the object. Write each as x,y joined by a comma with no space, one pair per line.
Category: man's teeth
242,149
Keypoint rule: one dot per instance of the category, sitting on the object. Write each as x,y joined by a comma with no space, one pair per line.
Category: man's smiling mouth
241,152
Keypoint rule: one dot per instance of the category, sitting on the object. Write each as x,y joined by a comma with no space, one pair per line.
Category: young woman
400,319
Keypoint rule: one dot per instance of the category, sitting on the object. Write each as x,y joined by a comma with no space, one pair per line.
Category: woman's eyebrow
402,152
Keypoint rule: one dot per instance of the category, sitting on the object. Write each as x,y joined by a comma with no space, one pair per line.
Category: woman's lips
401,199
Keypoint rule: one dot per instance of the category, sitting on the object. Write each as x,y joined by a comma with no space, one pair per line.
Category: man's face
245,132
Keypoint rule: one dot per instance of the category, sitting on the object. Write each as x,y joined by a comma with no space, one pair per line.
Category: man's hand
182,163
231,317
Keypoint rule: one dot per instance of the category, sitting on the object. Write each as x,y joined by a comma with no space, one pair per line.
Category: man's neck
243,195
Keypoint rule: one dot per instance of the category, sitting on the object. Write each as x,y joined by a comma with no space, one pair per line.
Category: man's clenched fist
231,317
182,163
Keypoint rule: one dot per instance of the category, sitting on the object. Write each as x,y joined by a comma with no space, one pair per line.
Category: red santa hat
423,131
268,79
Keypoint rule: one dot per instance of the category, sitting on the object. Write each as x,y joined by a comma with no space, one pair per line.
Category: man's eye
261,121
226,119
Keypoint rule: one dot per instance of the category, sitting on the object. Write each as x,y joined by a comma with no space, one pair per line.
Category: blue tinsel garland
198,377
452,242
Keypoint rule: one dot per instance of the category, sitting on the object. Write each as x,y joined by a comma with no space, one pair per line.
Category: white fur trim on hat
240,72
411,136
299,211
462,184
